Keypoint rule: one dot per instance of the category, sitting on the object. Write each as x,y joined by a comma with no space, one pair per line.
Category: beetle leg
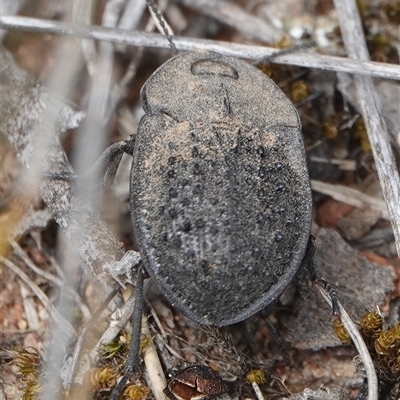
278,340
249,335
315,275
108,163
106,166
133,357
274,332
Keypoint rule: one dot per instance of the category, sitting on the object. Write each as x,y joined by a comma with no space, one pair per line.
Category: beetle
220,194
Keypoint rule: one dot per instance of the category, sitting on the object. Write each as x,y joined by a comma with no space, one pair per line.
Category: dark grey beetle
220,194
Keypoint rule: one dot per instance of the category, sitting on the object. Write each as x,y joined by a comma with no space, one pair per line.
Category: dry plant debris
348,201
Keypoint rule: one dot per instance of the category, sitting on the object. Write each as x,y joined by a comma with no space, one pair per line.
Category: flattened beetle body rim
214,182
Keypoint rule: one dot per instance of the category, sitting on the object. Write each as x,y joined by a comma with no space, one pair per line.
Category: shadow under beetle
221,201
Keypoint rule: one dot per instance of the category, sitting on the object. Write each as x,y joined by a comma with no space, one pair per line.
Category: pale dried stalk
28,302
39,271
236,17
92,133
359,344
257,391
116,325
153,40
73,365
50,277
64,326
354,40
81,14
154,372
132,14
350,196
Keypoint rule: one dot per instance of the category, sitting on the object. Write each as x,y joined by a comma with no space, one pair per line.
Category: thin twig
79,343
344,165
154,372
237,18
31,314
50,277
125,313
354,40
257,391
63,324
92,138
24,257
121,87
82,13
153,40
132,14
350,196
358,343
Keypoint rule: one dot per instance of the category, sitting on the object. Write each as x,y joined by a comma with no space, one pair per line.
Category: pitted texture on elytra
221,206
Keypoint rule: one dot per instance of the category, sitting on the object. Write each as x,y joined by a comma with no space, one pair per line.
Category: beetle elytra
220,193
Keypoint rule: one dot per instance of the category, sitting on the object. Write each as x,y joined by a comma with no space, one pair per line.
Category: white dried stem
154,373
354,40
236,17
359,344
71,367
121,88
132,14
257,391
30,308
153,40
131,17
50,277
124,314
91,139
81,14
344,165
351,196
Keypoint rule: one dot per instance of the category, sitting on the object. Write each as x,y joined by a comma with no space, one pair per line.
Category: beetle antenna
155,10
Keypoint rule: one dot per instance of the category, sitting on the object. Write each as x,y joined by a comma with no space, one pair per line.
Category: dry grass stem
354,40
359,344
153,40
64,326
350,196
